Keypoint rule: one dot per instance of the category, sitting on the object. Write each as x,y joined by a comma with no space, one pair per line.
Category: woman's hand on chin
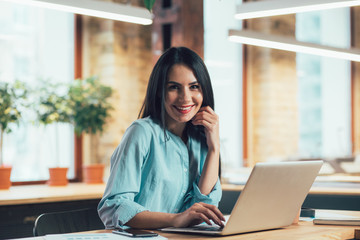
209,119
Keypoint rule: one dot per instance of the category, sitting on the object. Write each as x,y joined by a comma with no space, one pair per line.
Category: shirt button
183,191
176,210
185,169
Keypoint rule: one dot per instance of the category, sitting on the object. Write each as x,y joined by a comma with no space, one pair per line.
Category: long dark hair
154,103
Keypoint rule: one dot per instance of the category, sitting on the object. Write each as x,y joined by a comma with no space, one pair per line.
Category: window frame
352,80
245,93
78,156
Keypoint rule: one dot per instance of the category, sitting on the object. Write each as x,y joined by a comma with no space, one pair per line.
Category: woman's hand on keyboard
198,213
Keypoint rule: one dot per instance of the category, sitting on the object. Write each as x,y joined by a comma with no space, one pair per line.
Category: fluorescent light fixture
291,44
94,8
268,8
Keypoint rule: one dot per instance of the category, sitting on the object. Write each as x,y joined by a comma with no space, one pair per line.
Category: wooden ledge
30,194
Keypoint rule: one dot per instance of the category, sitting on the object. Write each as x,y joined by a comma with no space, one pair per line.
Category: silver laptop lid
272,196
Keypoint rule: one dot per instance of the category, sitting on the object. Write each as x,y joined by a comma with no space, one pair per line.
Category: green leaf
89,100
12,98
149,4
52,103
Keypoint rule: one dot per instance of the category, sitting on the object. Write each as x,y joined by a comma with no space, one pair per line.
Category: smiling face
183,96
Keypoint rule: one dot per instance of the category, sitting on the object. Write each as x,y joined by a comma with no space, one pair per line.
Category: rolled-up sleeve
199,150
195,196
117,206
117,211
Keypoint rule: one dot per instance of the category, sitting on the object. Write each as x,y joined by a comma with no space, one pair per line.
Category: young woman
165,172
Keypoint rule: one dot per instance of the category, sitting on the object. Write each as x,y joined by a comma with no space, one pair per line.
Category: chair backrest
68,221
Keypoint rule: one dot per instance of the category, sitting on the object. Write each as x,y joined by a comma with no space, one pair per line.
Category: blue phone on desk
135,232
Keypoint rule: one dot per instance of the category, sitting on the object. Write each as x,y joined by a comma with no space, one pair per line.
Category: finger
195,222
205,118
207,109
208,125
205,113
203,217
210,211
215,210
213,118
210,214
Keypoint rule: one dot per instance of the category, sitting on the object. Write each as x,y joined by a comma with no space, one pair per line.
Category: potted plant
52,108
11,96
89,102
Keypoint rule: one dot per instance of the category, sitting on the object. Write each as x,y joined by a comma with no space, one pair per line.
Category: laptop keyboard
206,228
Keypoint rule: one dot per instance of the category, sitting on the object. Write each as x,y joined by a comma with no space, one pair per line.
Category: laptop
271,198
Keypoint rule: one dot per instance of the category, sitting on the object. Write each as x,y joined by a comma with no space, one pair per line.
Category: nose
185,95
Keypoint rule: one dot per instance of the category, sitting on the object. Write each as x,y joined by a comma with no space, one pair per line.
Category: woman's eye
195,87
173,87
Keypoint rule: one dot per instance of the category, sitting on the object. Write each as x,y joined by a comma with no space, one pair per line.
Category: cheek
169,98
199,98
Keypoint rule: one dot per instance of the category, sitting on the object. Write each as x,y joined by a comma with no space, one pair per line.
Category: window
324,87
224,62
322,121
36,44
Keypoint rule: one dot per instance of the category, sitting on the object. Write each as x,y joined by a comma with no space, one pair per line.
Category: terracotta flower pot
58,176
93,174
5,173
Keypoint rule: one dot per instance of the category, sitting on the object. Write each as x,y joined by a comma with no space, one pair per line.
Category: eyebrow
172,82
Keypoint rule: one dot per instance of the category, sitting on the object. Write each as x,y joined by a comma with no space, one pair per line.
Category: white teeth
184,108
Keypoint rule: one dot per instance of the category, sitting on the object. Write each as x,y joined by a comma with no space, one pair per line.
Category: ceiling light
94,8
291,44
268,8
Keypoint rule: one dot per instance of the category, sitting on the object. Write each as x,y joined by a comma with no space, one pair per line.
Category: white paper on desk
329,218
330,215
96,236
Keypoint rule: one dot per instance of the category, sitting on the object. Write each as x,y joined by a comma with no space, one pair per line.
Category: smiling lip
184,109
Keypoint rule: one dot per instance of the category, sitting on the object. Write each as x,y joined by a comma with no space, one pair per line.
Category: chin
184,119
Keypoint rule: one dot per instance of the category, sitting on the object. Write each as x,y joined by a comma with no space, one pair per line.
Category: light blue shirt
154,173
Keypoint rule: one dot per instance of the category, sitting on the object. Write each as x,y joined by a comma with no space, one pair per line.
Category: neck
177,128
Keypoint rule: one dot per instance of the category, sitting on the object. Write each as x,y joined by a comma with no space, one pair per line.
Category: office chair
68,221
